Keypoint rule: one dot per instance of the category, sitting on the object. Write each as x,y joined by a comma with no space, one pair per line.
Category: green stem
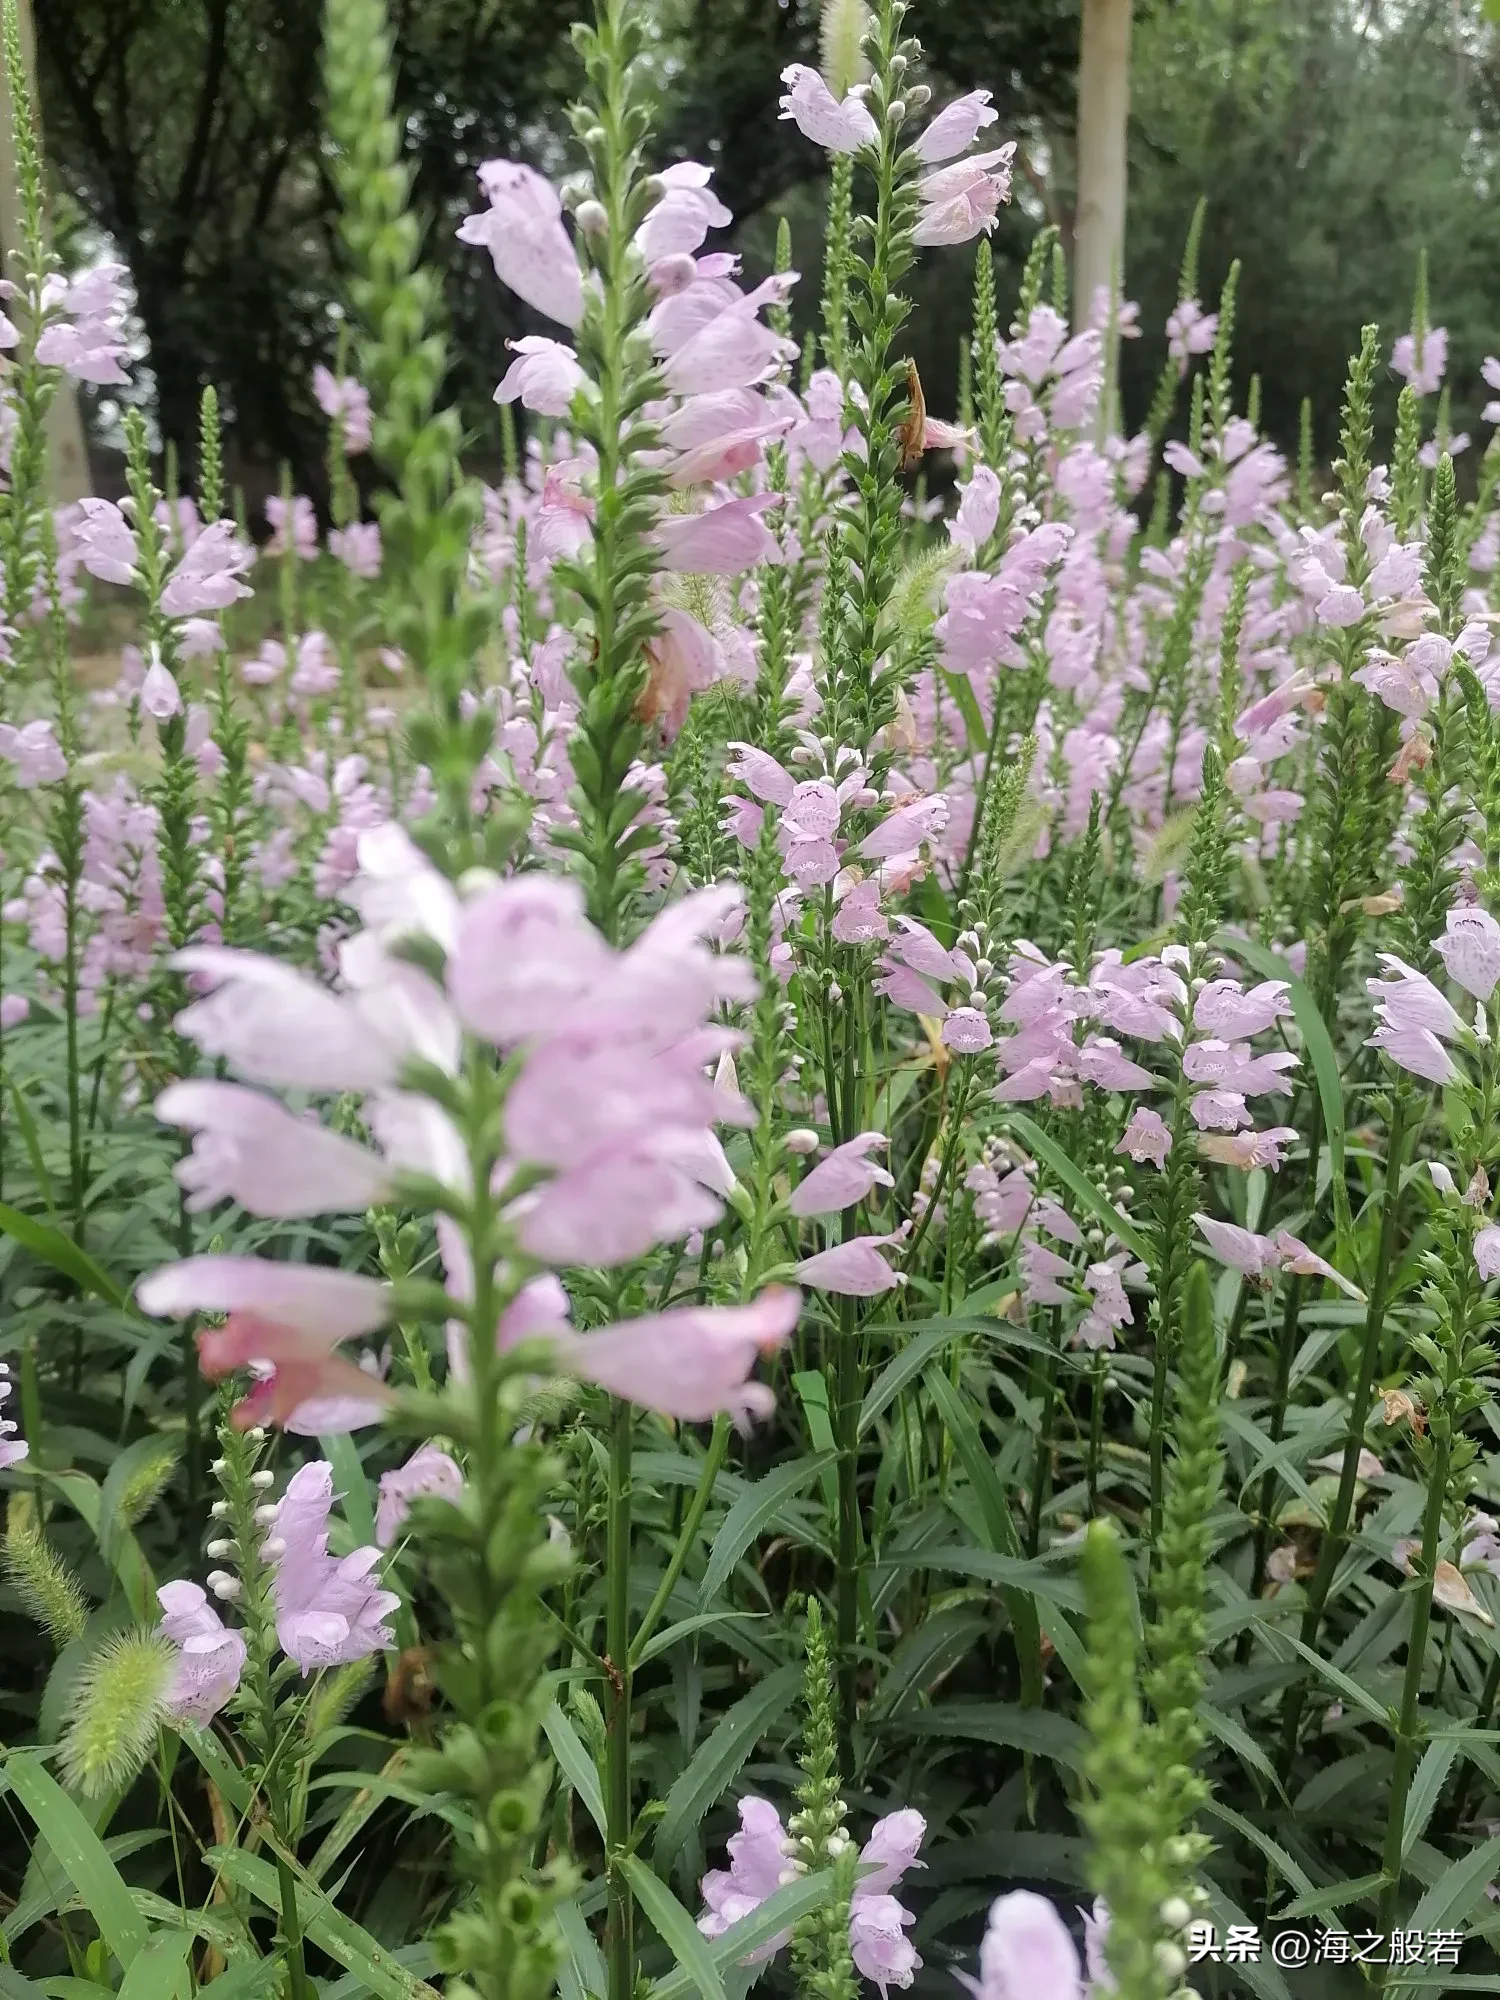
713,1460
1338,1525
1408,1737
619,1943
1041,1477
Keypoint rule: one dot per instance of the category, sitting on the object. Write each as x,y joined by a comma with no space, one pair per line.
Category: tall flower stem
1408,1736
619,1946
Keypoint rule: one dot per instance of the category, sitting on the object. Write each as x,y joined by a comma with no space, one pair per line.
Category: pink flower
616,1205
208,576
1102,1062
1218,1110
955,128
523,231
544,376
853,1269
819,115
251,1149
89,342
523,952
732,350
966,1031
291,1315
961,200
1110,1310
721,541
1042,1276
1470,948
684,659
326,1416
1248,1149
843,1178
106,542
1242,1249
1190,330
160,695
357,547
210,1657
13,1449
1146,1137
35,752
14,1008
345,399
1416,1050
1487,1251
1424,369
1027,1953
328,1611
1224,1009
759,1857
978,510
691,1362
427,1471
906,828
274,1025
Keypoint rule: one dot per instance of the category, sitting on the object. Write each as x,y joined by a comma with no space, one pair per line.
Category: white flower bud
256,1435
1176,1914
264,1516
1481,1025
223,1585
1171,1959
261,1480
801,1140
221,1547
475,881
592,218
272,1547
918,97
787,1876
219,1467
219,1509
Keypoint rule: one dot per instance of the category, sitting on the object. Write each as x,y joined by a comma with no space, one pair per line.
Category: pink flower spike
544,376
819,115
208,576
966,1031
523,231
955,128
843,1178
251,1149
689,1363
878,1943
1487,1251
210,1657
853,1269
428,1471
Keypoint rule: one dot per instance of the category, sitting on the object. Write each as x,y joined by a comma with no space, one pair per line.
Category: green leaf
674,1927
249,1981
1449,1901
751,1514
220,1767
33,1142
1349,1689
1426,1788
962,1427
1044,1734
919,1348
1272,1850
1320,1053
351,1485
583,1975
673,1635
720,1756
331,1931
576,1765
159,1970
80,1854
1337,1896
959,687
62,1253
776,1914
1056,1160
812,1393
